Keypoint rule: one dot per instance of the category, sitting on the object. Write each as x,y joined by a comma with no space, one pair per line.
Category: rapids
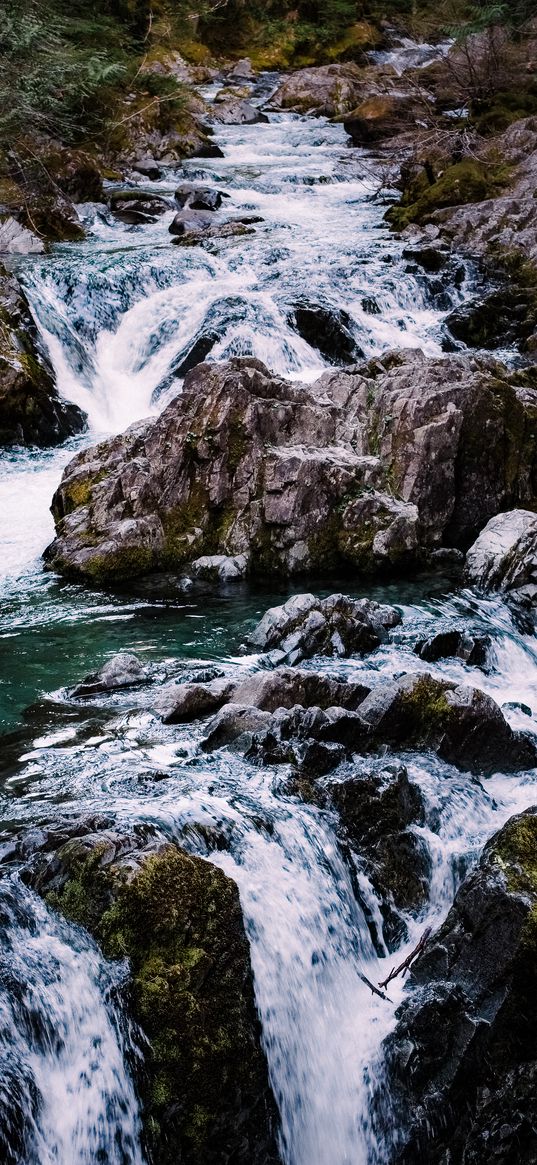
119,313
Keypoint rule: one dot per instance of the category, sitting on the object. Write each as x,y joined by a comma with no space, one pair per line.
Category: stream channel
119,314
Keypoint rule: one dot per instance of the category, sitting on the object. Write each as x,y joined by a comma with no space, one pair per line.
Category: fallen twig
372,987
407,963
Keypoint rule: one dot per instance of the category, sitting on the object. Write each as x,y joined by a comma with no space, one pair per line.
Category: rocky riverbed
270,711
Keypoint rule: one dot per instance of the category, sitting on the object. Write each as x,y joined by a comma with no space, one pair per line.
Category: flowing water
120,314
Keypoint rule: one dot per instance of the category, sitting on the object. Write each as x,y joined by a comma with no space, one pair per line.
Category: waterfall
66,1093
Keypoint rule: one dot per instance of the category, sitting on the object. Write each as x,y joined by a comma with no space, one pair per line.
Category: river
119,313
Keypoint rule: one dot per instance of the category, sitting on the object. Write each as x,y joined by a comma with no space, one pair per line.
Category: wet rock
122,671
134,207
177,918
31,410
190,221
235,726
198,197
184,702
329,330
494,322
306,626
220,567
430,259
504,556
383,116
148,167
208,150
373,468
236,228
463,724
378,811
461,1064
455,643
238,112
328,91
289,687
242,70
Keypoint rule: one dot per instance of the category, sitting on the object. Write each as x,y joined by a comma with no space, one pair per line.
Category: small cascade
66,1092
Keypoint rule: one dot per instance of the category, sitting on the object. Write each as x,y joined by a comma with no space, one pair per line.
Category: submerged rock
177,918
371,468
135,206
461,1065
31,410
305,626
504,556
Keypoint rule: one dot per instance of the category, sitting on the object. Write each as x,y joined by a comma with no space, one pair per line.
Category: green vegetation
466,181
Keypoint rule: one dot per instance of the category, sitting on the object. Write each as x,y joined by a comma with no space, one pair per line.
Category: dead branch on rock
372,987
407,963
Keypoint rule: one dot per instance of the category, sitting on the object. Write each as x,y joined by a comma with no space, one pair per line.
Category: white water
67,1096
119,313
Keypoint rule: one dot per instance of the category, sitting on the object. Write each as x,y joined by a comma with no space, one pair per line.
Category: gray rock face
307,626
461,1064
31,410
183,702
122,671
504,556
369,468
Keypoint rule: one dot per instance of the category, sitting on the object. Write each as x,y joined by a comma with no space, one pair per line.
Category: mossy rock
178,921
465,182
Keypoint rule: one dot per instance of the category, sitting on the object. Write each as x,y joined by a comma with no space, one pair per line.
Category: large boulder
461,723
305,626
370,468
177,919
123,670
504,556
329,90
383,116
31,410
461,1065
237,112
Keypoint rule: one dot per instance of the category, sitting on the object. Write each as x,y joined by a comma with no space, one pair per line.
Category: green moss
515,848
427,706
87,893
238,443
124,563
467,181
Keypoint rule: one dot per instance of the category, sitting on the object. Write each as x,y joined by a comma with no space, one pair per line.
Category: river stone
220,567
504,556
181,702
463,724
383,116
177,919
329,90
455,643
135,206
329,330
378,811
31,410
18,240
461,1068
371,468
122,671
306,626
198,197
238,112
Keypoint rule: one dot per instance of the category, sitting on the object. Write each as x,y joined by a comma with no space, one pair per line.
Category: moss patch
467,181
